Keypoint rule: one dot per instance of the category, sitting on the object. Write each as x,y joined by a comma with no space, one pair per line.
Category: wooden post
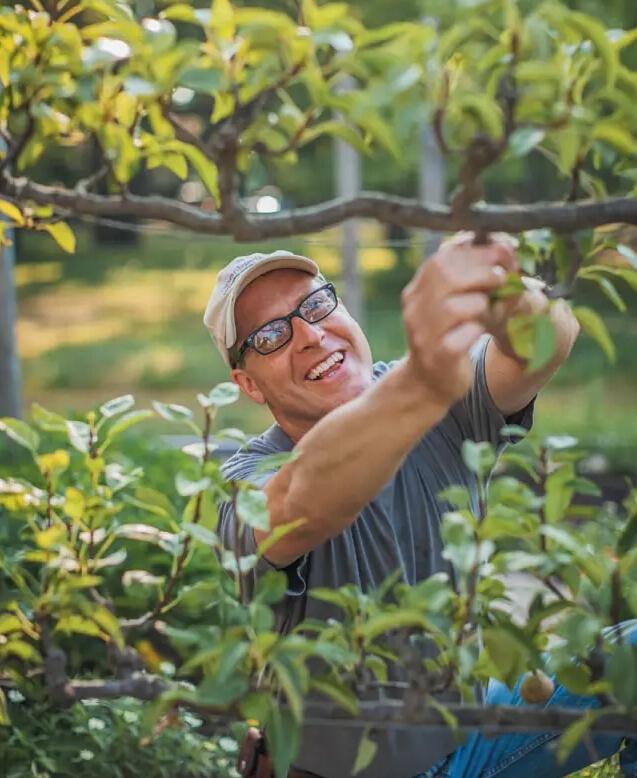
9,363
347,174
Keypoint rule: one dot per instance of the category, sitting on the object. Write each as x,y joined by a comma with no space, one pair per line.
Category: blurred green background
123,314
121,317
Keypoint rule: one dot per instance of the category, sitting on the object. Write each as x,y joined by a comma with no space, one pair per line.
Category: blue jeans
532,755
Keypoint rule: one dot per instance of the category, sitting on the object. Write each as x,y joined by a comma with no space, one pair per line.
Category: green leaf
525,139
628,538
507,653
283,738
252,509
47,420
172,411
5,721
596,32
117,406
608,288
576,678
276,534
273,462
627,253
367,749
11,211
458,496
73,623
79,435
124,423
544,342
187,488
387,622
62,234
478,457
20,433
574,733
291,682
202,534
214,693
614,135
271,587
205,167
222,394
336,690
205,80
51,537
146,533
593,325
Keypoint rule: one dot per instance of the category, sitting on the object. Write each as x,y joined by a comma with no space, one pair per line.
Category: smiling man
376,444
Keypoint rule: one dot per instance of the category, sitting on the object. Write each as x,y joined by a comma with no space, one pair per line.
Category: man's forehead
273,294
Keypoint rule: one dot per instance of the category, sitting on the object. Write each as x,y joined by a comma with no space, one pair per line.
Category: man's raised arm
348,456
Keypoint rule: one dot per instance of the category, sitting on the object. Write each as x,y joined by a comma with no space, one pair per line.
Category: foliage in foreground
112,588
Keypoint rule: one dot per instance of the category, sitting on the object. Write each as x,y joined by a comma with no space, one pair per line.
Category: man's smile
326,368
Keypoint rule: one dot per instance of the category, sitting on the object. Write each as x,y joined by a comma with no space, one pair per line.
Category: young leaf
62,235
47,420
5,721
125,422
117,405
273,462
574,733
79,435
478,457
525,139
224,393
593,325
252,509
11,211
20,433
367,749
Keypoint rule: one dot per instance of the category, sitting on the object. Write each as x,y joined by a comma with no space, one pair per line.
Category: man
376,443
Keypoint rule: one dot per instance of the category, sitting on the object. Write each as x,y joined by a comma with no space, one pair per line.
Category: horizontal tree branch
489,719
560,216
139,685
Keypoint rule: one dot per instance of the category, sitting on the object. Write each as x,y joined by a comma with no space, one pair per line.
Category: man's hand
446,308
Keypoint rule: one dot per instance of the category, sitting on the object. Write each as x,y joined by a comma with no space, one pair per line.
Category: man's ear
247,384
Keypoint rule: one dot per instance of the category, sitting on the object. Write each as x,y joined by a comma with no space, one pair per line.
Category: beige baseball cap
233,279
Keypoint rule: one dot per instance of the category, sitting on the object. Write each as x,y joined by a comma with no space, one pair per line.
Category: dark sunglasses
274,334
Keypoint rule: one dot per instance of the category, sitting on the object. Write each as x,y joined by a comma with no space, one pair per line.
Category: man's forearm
346,459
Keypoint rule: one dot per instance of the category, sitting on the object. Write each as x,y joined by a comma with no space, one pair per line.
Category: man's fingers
460,339
460,308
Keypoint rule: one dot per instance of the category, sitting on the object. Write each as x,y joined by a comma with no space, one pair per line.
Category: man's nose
306,335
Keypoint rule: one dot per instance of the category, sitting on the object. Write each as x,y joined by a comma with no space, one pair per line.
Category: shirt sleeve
226,530
476,416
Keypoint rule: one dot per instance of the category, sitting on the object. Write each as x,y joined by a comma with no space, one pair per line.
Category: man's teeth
317,372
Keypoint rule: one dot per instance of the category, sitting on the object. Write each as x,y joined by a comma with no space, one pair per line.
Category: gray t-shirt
398,530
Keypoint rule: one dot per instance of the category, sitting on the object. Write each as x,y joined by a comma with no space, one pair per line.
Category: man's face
285,379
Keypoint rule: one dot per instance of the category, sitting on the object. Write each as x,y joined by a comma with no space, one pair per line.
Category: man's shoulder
241,464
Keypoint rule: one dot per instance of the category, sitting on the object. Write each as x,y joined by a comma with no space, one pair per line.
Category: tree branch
489,719
403,212
138,685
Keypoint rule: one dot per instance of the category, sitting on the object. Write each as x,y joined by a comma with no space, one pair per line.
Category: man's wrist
418,392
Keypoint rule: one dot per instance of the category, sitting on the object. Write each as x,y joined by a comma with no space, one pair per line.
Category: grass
114,319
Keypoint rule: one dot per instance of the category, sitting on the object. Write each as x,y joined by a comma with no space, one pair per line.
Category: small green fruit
536,687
